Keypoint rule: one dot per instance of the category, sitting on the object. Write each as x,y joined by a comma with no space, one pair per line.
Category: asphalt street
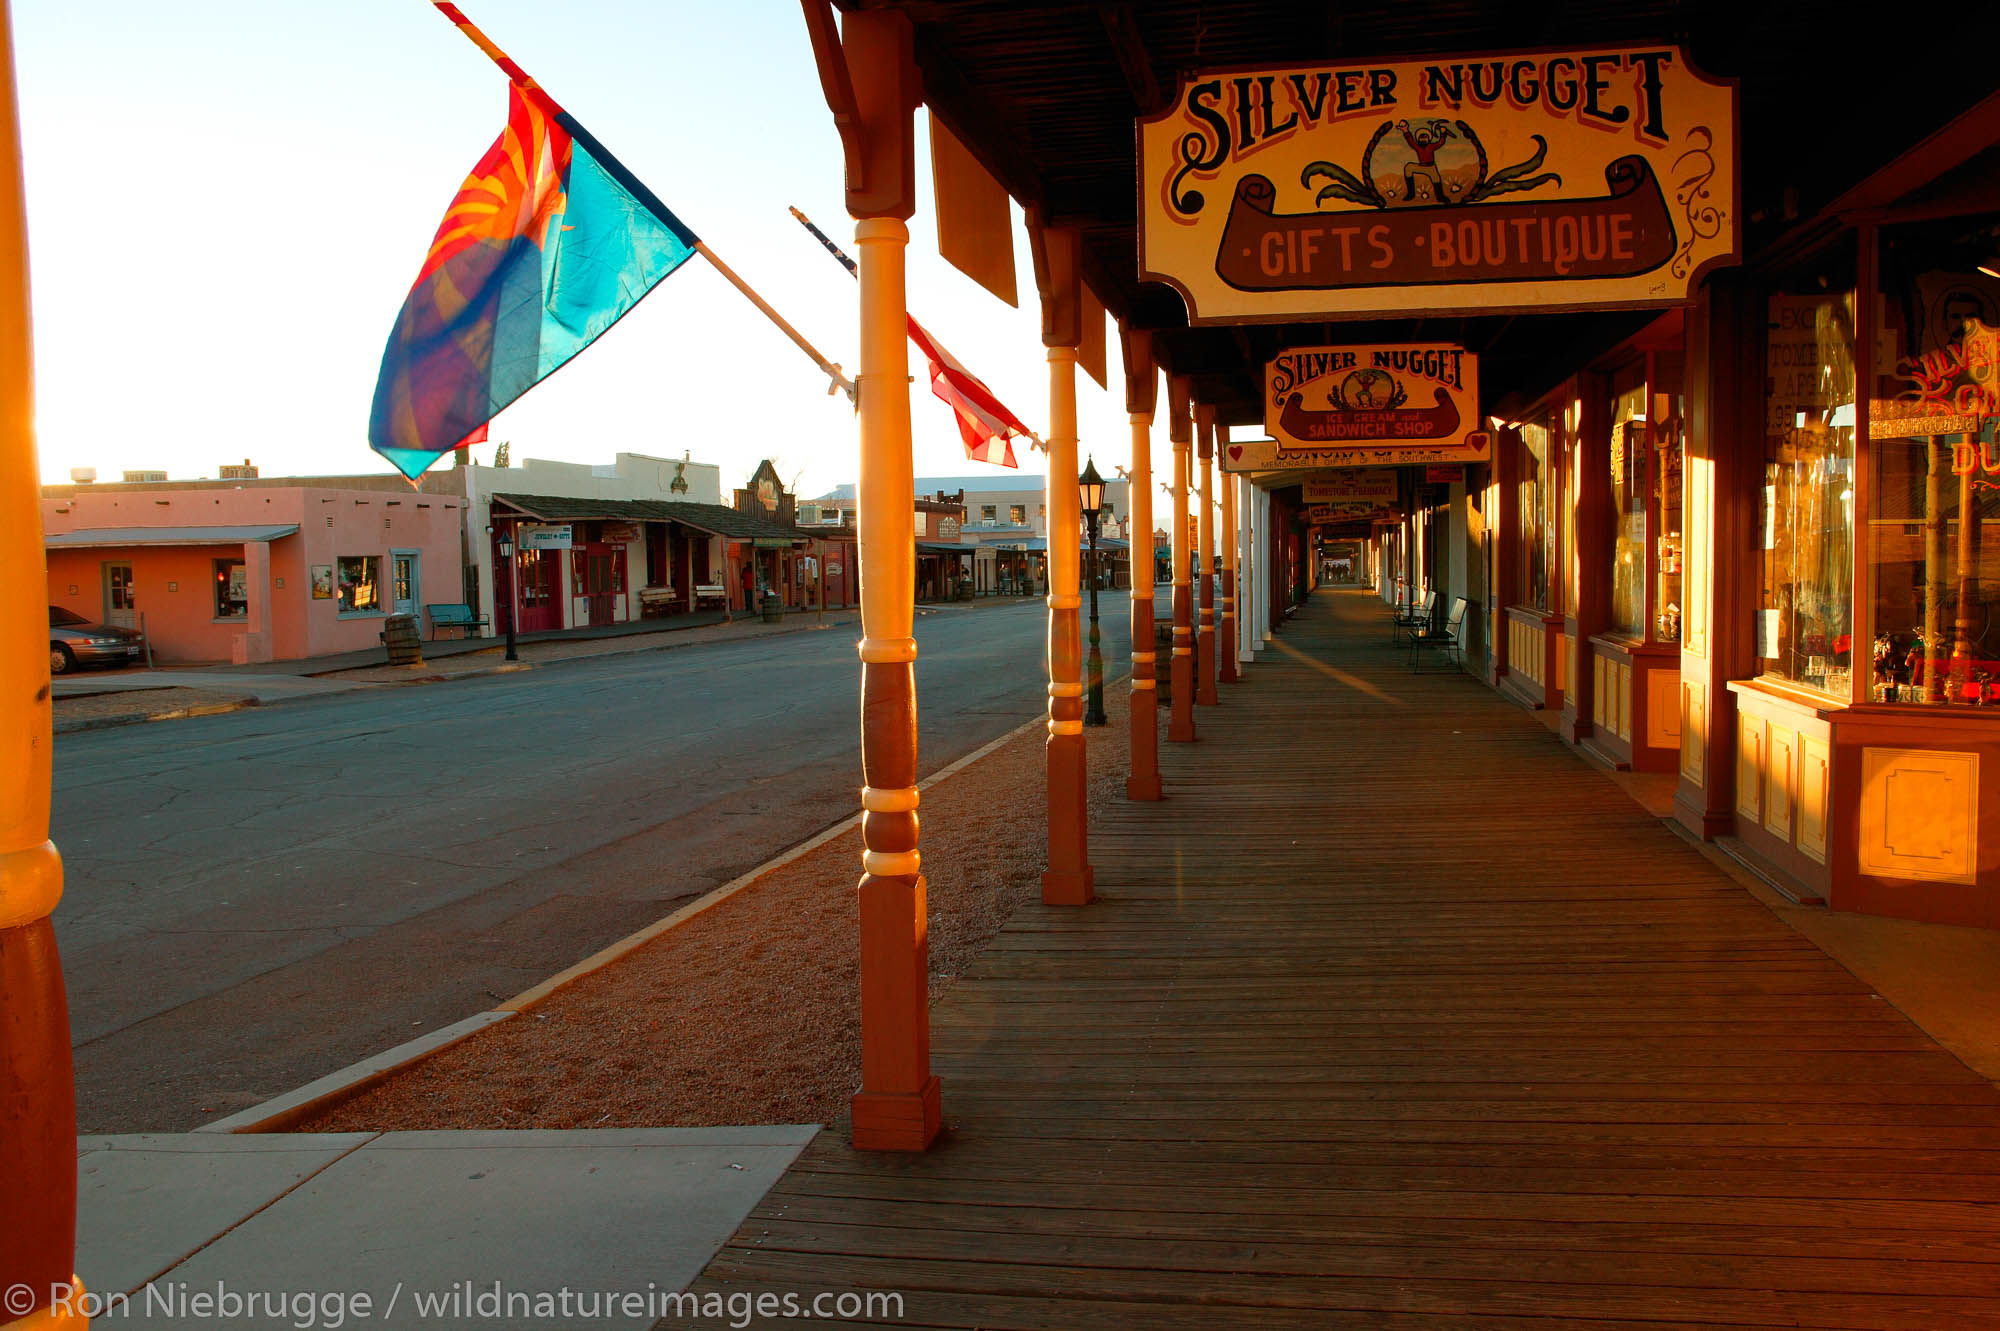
256,899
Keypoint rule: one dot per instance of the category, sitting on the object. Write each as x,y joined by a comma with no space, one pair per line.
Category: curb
786,631
279,1114
508,668
137,718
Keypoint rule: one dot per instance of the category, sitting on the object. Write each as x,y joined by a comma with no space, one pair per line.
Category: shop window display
1804,629
1934,466
1537,505
1630,445
360,583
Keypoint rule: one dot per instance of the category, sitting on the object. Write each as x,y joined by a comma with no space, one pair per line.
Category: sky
228,200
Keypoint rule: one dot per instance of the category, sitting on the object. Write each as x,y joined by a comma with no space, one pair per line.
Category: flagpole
848,264
540,96
830,370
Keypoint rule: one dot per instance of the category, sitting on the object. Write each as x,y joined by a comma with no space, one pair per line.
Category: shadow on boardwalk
1398,1013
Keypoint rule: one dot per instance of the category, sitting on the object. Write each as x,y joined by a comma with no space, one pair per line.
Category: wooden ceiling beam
951,98
1121,27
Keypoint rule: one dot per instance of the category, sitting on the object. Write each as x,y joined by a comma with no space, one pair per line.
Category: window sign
1933,459
1557,180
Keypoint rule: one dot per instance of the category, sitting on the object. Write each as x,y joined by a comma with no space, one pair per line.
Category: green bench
453,617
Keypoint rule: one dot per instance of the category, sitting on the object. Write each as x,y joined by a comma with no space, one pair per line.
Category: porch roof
1045,94
103,537
715,519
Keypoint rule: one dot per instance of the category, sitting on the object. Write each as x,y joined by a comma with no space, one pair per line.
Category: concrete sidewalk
426,1226
265,684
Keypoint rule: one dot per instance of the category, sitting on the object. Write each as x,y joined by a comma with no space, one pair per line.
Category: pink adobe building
247,573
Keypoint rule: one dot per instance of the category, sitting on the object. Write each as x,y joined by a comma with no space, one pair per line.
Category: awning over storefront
106,537
944,548
717,520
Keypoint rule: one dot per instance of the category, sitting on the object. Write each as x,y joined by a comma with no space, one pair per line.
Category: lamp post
1092,487
507,561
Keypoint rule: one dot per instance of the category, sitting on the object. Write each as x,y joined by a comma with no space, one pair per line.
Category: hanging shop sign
1373,405
1358,491
535,536
1555,180
1324,515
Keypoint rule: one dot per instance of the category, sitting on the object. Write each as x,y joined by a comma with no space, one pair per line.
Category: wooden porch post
1504,523
1180,719
1228,645
1722,483
1068,879
1589,449
869,73
1204,654
1141,398
37,1087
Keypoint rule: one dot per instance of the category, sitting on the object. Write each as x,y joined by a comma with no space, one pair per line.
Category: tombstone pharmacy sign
1566,180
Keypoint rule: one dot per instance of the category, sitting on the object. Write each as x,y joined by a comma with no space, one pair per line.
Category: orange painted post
1068,879
1141,398
1204,650
37,1086
898,1107
1226,638
1180,715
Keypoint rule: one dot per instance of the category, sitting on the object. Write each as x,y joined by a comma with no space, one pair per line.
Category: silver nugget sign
1367,406
1566,180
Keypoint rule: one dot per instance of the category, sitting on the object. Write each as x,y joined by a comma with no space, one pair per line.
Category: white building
1007,523
634,548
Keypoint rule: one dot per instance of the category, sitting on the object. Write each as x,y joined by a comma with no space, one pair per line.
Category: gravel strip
748,1013
140,704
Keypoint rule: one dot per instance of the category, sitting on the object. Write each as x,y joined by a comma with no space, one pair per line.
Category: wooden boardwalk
1399,1014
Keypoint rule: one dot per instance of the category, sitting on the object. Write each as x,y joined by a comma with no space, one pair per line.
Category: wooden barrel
399,635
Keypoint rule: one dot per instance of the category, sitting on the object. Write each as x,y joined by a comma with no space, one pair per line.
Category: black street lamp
1092,486
507,561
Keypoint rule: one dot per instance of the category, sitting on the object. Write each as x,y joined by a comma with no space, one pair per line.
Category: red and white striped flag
984,422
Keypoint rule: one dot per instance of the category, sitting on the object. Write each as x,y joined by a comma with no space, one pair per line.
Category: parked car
74,641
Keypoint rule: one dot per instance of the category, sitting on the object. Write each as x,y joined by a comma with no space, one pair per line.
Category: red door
537,605
600,575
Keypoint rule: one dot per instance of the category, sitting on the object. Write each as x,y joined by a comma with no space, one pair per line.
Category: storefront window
1630,446
232,590
1537,502
360,582
1934,467
538,577
1804,630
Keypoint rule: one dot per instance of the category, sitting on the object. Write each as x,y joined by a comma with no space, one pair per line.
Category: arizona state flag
549,242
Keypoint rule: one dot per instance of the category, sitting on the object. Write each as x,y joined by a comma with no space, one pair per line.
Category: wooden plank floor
1398,1014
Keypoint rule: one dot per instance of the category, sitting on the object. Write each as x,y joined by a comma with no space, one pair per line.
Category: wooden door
119,608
